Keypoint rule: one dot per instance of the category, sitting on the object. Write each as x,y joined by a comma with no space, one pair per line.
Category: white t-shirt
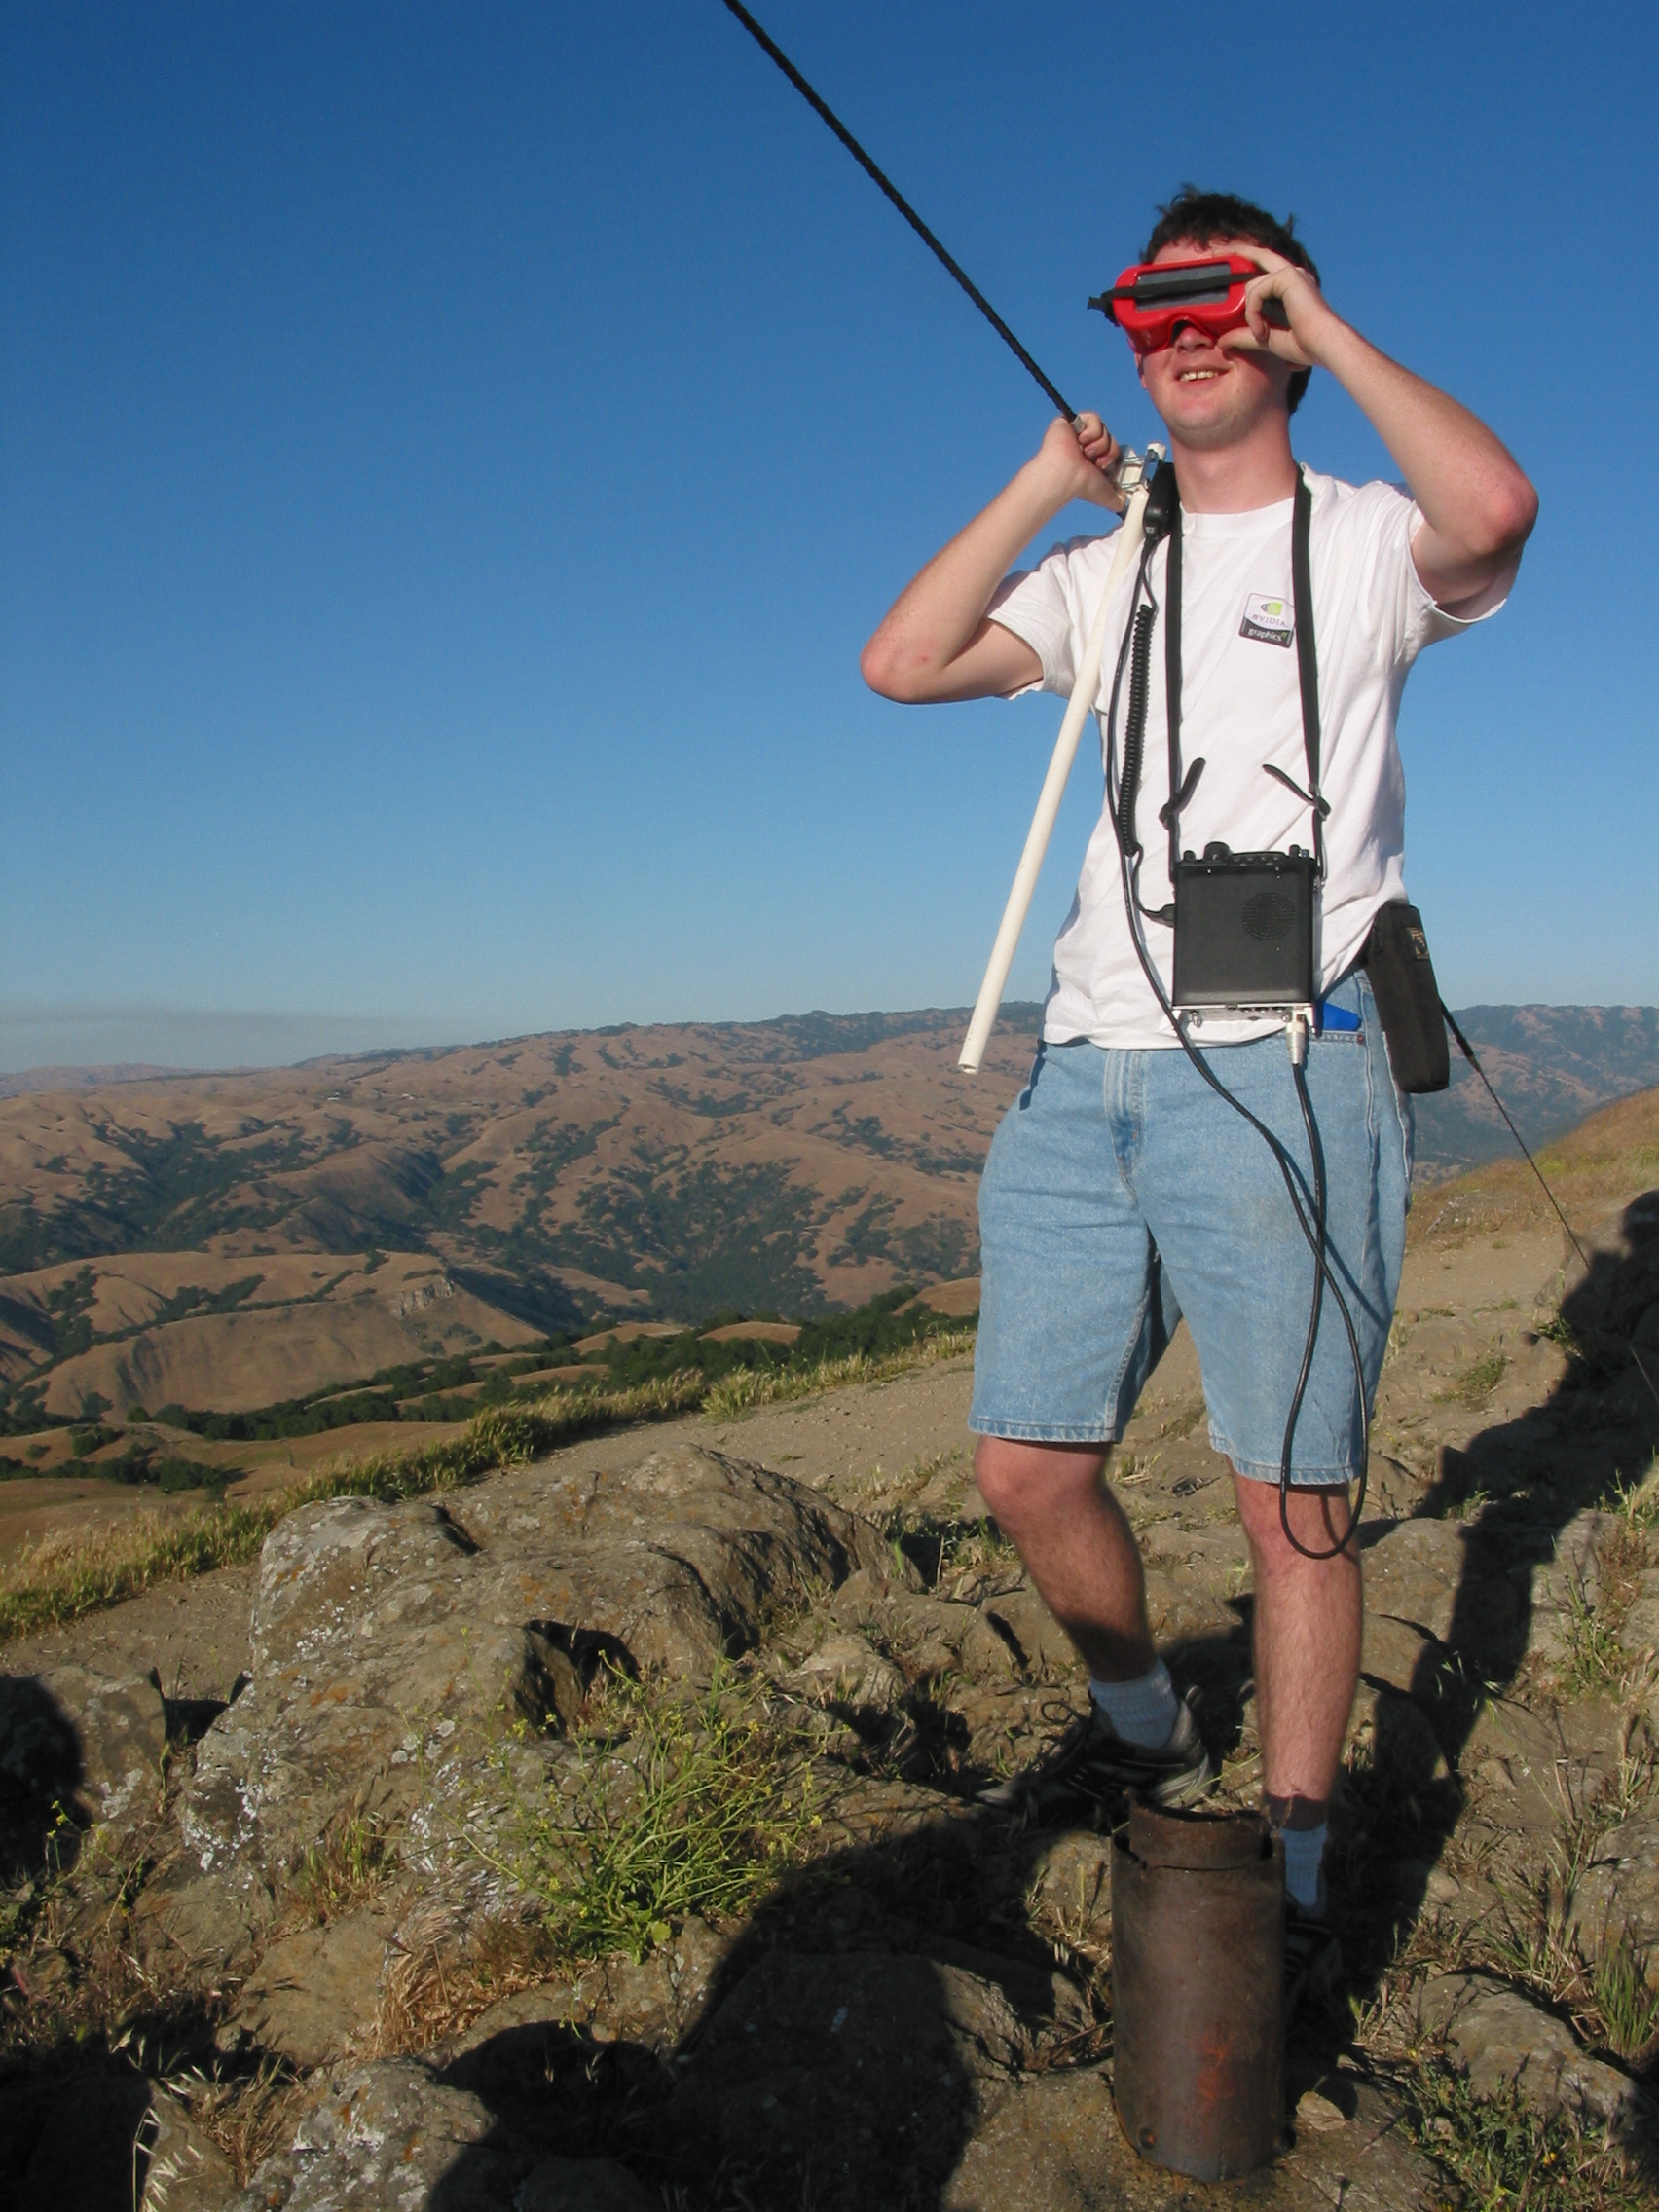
1241,707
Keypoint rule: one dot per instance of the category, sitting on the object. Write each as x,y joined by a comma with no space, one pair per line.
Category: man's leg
1079,1550
1081,1553
1308,1625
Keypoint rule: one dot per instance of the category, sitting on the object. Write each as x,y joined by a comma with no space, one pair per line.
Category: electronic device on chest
1243,923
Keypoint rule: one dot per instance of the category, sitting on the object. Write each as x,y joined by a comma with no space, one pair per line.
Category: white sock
1304,1857
1143,1712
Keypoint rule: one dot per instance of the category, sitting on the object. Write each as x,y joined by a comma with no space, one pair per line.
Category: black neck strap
1307,669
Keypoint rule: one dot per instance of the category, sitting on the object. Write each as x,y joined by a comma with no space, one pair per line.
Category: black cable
1468,1052
1313,1232
770,46
1134,732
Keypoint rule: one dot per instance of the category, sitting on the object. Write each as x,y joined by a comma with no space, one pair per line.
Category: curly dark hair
1202,216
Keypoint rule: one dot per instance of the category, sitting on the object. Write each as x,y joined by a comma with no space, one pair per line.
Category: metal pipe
1197,1990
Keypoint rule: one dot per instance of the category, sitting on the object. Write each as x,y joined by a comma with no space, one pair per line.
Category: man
1120,1192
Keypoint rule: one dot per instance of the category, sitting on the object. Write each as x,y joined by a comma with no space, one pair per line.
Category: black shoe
1312,1958
1091,1771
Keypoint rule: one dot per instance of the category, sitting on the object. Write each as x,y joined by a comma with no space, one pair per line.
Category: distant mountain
493,1193
238,1239
1551,1065
28,1079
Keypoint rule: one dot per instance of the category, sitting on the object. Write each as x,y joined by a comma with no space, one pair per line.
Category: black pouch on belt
1408,998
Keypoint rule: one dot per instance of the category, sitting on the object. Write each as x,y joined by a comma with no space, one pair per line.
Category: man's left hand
1307,316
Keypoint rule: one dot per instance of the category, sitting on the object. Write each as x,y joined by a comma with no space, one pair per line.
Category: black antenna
901,202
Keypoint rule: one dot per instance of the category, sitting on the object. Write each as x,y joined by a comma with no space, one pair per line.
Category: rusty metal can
1197,1989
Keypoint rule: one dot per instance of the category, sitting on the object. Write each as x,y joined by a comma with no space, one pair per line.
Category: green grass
1478,1380
672,1805
1497,2153
1626,1998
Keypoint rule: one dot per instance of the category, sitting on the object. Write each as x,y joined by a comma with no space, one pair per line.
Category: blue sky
451,456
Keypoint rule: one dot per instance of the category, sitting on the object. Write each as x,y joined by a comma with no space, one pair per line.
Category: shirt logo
1268,621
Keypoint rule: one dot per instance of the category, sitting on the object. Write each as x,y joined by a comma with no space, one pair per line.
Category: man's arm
1478,508
936,641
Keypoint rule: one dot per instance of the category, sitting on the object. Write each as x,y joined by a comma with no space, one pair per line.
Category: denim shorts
1120,1194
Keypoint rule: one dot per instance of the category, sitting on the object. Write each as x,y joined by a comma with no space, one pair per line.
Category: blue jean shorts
1120,1194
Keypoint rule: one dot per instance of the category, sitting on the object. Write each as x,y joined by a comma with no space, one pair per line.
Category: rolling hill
234,1241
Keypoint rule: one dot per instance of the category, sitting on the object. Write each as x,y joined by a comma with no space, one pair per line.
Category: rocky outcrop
83,1743
1500,2037
392,1644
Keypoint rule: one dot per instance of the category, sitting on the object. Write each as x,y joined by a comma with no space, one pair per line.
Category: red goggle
1151,299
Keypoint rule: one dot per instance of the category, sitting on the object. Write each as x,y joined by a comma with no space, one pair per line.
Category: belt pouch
1408,998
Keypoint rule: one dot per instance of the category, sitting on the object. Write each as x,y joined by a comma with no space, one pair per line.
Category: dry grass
247,2115
436,1983
748,1389
67,1575
352,1864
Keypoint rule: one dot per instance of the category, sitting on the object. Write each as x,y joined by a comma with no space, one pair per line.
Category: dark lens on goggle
1186,287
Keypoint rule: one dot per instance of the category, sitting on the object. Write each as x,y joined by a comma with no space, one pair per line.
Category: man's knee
1018,1480
1320,1520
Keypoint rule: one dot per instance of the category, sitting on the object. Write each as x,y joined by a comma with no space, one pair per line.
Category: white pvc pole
1084,692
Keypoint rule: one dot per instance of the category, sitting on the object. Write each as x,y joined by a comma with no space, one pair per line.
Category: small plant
1558,1330
1593,1655
348,1866
1625,1998
672,1805
1497,2151
1478,1380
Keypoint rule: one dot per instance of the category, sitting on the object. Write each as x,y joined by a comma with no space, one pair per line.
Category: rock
216,1921
1414,1573
388,1639
1536,1763
651,2004
314,1993
584,2184
926,1631
866,2072
1399,1656
1572,1579
1054,2144
1316,2115
1500,2037
1021,1618
1071,1881
848,1670
1640,1633
389,2135
93,1744
1616,1897
82,2145
1397,1738
187,2171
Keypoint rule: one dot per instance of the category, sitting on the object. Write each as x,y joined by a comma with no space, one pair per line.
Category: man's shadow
854,2040
1515,1489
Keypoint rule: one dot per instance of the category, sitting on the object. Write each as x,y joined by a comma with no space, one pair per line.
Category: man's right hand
1086,455
937,641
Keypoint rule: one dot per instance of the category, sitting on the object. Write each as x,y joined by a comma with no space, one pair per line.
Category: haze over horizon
450,460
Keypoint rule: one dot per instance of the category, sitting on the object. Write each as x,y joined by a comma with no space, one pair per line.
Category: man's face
1212,393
